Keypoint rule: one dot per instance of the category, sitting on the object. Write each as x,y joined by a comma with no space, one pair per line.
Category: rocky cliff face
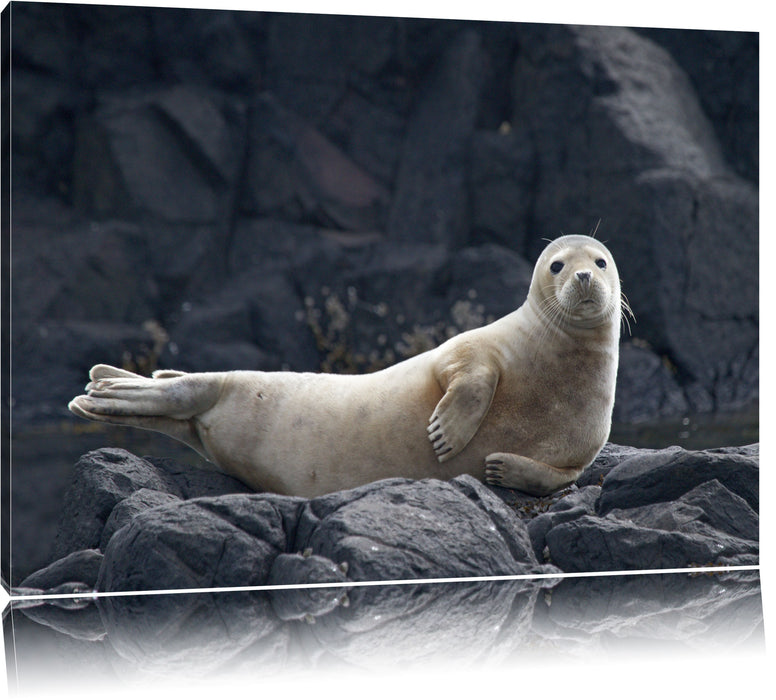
217,190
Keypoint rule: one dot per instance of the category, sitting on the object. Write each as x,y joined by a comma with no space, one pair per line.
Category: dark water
42,462
699,432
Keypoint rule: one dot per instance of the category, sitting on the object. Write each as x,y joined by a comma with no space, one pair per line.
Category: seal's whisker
626,312
555,311
626,305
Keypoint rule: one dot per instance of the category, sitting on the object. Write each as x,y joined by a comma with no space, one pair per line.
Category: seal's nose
584,277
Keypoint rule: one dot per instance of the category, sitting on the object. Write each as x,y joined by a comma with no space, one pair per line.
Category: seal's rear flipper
182,430
513,471
168,403
108,372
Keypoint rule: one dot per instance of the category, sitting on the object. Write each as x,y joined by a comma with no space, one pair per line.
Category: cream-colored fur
523,402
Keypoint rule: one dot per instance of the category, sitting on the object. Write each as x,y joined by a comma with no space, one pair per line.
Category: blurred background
216,190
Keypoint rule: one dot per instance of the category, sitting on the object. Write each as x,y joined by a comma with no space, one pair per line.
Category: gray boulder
225,541
391,529
159,524
647,509
590,543
665,475
400,529
105,478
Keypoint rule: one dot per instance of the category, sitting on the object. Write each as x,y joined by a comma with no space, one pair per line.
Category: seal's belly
304,433
554,426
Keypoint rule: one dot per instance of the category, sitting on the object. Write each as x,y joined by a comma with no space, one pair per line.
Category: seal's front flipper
525,474
458,415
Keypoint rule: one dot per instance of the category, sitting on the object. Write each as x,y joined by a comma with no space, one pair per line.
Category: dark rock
485,283
193,482
306,603
458,528
203,543
707,509
86,264
608,458
729,98
295,173
163,525
665,475
591,543
646,389
253,316
173,155
67,351
106,477
585,498
208,47
654,509
78,567
569,507
385,301
634,149
127,508
315,62
539,526
102,478
429,199
502,173
444,530
369,307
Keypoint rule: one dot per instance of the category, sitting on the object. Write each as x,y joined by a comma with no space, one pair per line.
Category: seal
524,402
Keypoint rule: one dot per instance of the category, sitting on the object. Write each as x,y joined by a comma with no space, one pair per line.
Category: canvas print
315,299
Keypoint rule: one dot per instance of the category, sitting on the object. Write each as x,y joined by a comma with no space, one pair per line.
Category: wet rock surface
132,523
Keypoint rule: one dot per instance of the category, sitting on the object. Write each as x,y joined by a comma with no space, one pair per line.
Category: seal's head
575,283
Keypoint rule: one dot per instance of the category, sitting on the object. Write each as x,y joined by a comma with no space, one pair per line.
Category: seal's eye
556,267
601,263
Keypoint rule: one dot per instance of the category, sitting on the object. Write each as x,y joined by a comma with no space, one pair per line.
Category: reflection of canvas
211,190
507,626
